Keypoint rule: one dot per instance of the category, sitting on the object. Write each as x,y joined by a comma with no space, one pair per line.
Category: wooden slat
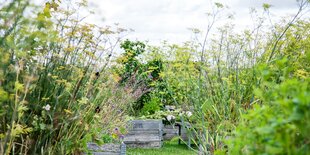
145,145
146,124
144,131
169,133
142,138
106,149
105,153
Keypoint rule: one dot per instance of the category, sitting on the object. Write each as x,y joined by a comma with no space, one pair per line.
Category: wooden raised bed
144,134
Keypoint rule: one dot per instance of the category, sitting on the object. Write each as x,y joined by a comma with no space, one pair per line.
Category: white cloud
157,20
277,4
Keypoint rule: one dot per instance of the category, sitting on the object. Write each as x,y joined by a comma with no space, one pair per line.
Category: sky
158,20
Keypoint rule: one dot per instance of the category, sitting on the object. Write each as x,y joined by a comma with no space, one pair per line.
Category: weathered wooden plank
145,145
169,136
146,124
169,133
144,131
142,138
146,136
107,149
105,153
170,127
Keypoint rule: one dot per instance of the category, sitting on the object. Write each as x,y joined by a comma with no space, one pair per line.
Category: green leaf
42,126
273,150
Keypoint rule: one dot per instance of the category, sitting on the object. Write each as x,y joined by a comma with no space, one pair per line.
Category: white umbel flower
170,117
47,107
189,114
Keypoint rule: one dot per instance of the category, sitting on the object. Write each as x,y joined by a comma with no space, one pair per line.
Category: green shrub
279,126
139,78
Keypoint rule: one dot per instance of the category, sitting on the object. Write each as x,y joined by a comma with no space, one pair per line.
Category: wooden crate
144,134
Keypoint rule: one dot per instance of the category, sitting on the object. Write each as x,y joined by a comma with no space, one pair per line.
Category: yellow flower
86,127
114,136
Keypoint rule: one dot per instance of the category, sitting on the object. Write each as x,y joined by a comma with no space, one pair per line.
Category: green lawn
169,148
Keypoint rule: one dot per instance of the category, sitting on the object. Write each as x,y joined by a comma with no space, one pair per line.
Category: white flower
189,114
170,117
47,107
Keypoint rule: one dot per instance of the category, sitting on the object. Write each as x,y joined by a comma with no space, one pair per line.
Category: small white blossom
170,117
47,107
189,114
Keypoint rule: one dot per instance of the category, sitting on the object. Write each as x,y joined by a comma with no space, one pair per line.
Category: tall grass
56,90
217,79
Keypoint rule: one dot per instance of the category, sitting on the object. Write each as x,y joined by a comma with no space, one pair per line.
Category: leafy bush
278,123
151,106
280,127
139,78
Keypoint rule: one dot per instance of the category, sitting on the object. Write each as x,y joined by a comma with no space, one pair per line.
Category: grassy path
169,148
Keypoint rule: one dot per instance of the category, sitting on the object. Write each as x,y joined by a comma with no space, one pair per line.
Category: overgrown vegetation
239,93
54,84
